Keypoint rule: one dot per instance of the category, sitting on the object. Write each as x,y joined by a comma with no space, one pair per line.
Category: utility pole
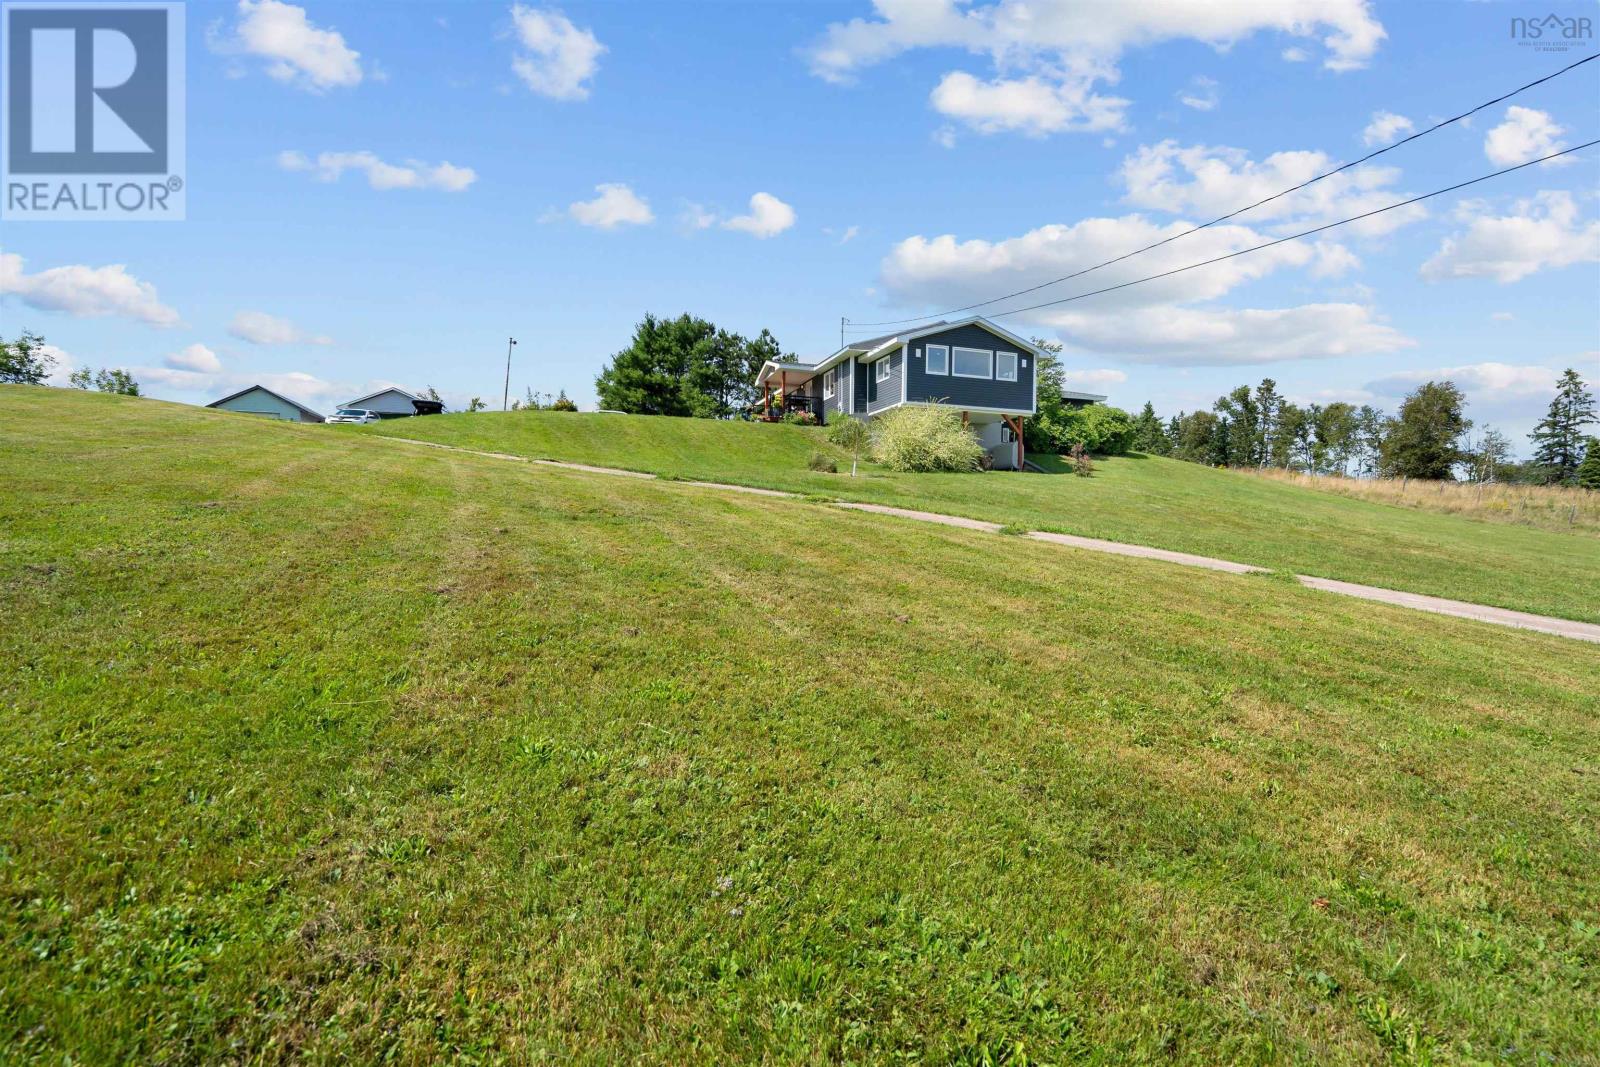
505,397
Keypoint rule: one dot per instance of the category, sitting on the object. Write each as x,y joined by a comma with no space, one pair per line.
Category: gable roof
277,396
874,345
387,389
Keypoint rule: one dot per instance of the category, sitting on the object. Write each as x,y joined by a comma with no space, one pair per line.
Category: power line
1249,207
1303,233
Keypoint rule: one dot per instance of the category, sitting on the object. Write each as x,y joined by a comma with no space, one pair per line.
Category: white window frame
828,383
998,354
881,369
927,359
955,350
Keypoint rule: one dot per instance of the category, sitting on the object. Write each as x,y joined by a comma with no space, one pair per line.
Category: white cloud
1090,379
1333,260
945,137
414,174
1182,336
1544,233
259,328
1034,106
1295,54
559,59
296,51
768,217
85,292
1502,316
849,234
1201,94
1212,181
1050,56
1154,322
1501,378
1385,128
196,357
697,217
616,205
1525,134
63,365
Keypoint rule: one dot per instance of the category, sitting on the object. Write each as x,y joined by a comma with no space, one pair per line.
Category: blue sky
382,193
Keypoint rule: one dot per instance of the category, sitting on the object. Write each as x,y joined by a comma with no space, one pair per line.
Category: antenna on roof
841,331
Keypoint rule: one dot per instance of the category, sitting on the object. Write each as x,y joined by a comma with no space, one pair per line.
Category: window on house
1005,366
938,357
828,383
880,370
973,363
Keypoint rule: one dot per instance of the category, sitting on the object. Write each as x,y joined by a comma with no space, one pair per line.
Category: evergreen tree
1589,470
1269,406
1148,435
1558,439
1424,442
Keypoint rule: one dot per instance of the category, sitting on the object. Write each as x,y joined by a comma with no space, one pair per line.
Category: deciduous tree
1425,440
24,360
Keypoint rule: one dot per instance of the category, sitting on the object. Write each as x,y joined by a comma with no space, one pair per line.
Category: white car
355,415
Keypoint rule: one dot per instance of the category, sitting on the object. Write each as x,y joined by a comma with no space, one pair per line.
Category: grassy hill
1142,500
320,748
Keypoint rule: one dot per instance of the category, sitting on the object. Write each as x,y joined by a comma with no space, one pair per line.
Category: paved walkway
1581,631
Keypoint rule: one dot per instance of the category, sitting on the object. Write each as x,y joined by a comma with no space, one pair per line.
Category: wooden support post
1020,453
964,416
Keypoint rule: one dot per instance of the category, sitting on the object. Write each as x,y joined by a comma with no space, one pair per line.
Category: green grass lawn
322,749
1141,500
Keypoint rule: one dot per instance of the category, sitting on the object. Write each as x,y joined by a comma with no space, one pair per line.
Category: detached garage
259,400
396,403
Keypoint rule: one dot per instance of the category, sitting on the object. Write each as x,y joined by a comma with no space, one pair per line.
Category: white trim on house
955,356
882,369
997,375
867,355
927,359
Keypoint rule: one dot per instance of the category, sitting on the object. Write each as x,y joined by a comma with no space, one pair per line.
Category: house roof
277,396
772,369
1073,394
885,343
388,389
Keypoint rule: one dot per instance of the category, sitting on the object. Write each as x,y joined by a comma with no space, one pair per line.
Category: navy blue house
986,372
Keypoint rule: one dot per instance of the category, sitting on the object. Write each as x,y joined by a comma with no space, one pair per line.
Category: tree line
1428,437
24,361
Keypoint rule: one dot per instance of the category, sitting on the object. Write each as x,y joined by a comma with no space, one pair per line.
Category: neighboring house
259,400
984,371
396,403
1076,399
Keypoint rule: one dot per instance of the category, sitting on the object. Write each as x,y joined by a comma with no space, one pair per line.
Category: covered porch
788,389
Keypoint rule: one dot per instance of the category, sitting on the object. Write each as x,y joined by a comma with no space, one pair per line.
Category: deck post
964,420
1020,452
